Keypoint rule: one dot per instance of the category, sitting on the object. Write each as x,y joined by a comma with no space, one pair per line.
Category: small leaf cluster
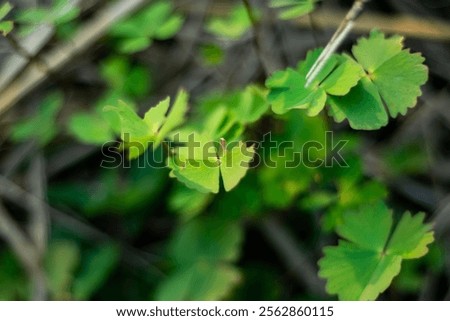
382,79
155,22
61,13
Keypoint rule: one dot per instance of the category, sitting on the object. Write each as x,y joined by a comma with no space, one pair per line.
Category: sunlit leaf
200,169
291,9
233,27
138,133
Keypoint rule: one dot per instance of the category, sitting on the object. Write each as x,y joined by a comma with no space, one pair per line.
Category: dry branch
61,56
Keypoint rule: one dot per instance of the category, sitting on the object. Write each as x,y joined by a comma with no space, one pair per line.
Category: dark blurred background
74,230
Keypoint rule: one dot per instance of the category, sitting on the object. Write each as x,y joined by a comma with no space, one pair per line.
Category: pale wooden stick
341,33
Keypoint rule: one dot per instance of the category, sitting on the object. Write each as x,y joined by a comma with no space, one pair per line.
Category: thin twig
38,224
337,39
257,43
59,57
13,192
26,50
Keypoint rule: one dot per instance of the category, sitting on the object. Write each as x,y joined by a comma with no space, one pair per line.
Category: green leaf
293,8
200,282
212,54
284,177
132,45
202,252
364,264
96,268
398,81
372,52
64,11
12,278
5,9
129,80
249,105
169,28
187,202
5,26
206,239
61,262
156,21
200,169
59,13
396,73
384,78
393,81
287,88
90,128
233,26
137,133
362,107
42,127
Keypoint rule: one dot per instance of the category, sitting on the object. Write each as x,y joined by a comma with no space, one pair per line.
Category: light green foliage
187,202
223,119
59,13
96,127
203,251
248,105
384,76
76,275
90,128
367,259
62,260
201,168
131,80
392,81
281,181
234,110
42,127
288,90
5,26
233,26
291,9
96,267
138,133
157,21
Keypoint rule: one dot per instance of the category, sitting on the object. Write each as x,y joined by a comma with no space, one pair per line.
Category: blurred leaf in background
42,127
212,54
157,21
203,252
60,13
5,26
290,9
233,26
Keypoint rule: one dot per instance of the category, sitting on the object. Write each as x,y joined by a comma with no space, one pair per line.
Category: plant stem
341,33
